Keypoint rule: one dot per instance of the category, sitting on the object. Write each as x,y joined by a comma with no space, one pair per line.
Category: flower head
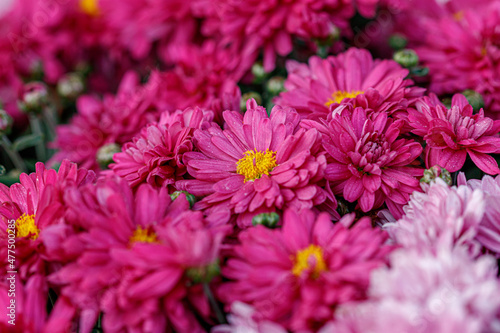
296,276
258,164
452,134
354,75
155,155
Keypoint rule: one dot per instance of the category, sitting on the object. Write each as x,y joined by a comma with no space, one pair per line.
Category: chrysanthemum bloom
442,216
242,320
258,164
114,120
297,276
30,209
141,251
461,51
352,76
155,156
254,25
369,163
489,228
452,134
447,291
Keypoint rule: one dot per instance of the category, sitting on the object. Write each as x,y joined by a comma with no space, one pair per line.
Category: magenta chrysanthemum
258,164
138,250
155,156
369,163
445,291
452,134
298,275
380,85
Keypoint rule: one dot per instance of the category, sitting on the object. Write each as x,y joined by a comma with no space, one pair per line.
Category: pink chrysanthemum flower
447,291
114,120
442,216
139,251
31,209
297,276
269,26
452,134
242,320
352,76
369,163
258,164
155,156
489,228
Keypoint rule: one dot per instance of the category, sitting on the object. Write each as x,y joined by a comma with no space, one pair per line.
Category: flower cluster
265,166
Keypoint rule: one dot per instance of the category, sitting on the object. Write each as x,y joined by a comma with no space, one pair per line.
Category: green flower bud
406,58
275,85
35,97
431,174
269,220
474,98
258,72
70,86
5,122
189,197
204,274
249,95
105,154
398,42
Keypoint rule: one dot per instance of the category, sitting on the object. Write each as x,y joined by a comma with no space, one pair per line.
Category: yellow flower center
140,235
90,7
310,258
339,96
458,16
25,226
256,163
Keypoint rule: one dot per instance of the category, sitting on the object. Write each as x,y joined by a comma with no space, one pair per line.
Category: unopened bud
431,174
189,197
474,98
203,274
269,220
35,97
5,123
105,154
275,85
70,86
406,58
258,72
398,42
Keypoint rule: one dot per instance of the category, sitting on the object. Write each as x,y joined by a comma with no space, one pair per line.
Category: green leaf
26,141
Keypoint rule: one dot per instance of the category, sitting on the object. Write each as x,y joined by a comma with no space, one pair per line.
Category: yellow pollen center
458,16
310,258
90,7
25,226
140,235
256,163
339,96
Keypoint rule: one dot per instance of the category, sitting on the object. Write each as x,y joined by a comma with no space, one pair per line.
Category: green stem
50,121
13,155
36,128
213,303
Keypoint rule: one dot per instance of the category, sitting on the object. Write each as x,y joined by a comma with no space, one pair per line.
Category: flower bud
474,98
105,154
203,274
398,41
189,197
269,220
70,86
406,58
275,85
431,174
258,72
249,95
5,123
35,97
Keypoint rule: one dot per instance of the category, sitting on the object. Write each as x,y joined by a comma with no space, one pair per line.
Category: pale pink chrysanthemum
139,251
255,26
242,320
155,155
369,162
257,164
441,216
354,76
447,291
452,134
298,275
